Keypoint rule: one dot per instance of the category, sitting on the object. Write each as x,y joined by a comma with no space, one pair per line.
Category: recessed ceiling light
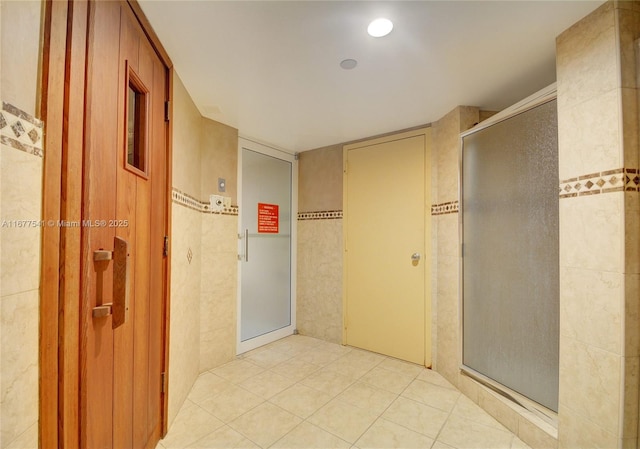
348,64
380,27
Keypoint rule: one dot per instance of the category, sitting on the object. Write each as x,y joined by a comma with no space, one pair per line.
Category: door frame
425,131
268,150
62,107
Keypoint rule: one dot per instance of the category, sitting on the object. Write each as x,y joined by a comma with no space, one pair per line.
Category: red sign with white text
268,218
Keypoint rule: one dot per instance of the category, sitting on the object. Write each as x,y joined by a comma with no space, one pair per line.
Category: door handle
103,310
415,257
119,307
246,245
120,281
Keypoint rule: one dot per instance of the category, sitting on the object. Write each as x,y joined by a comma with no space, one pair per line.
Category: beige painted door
387,251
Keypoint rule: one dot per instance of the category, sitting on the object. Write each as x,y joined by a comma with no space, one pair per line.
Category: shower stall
510,253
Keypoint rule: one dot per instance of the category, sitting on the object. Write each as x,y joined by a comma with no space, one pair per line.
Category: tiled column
598,162
320,245
219,246
203,249
446,244
21,166
185,249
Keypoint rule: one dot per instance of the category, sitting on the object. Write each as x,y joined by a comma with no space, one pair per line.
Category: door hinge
163,382
165,247
167,105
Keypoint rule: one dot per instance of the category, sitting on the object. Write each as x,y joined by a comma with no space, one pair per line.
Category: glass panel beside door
266,311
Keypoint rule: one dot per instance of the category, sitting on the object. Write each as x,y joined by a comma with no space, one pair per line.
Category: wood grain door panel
121,397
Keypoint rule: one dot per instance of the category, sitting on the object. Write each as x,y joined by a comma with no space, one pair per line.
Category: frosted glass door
265,249
511,253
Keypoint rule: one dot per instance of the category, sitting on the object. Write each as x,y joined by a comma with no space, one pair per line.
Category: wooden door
123,229
386,241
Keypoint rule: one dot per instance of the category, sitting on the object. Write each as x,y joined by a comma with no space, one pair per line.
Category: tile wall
21,165
184,325
320,244
20,214
599,228
445,238
20,225
320,268
203,248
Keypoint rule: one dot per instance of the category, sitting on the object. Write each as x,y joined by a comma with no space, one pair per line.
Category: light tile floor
300,392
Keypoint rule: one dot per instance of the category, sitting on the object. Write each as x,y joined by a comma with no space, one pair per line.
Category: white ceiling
271,68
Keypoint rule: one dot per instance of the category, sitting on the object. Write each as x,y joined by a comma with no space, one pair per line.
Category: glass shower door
265,237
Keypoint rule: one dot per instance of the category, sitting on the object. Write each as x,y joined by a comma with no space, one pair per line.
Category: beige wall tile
591,232
589,135
21,197
631,367
28,440
598,130
448,286
590,384
469,117
498,409
632,315
218,290
632,232
219,159
447,345
446,145
574,431
630,127
471,389
219,234
434,166
591,309
534,436
448,244
319,277
320,179
483,115
187,159
217,347
21,48
631,5
586,58
445,236
628,23
184,351
18,364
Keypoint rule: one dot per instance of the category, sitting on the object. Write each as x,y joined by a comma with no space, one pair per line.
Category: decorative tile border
436,209
452,207
192,203
320,215
618,180
20,130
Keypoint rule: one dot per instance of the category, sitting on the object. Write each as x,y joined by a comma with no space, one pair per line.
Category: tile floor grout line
447,420
292,351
